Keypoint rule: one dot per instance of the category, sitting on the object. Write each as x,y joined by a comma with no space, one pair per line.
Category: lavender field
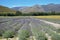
29,28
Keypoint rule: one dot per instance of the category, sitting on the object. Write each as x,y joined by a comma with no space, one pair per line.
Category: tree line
18,13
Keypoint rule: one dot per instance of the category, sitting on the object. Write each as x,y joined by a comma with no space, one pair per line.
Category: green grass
49,17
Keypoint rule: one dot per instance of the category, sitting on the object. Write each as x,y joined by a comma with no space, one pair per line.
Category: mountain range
34,8
40,8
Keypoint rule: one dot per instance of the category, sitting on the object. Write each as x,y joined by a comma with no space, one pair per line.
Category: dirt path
51,23
33,37
10,38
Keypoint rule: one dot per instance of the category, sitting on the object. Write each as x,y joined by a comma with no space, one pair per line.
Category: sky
15,3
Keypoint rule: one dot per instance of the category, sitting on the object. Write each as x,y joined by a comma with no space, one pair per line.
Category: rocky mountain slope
40,8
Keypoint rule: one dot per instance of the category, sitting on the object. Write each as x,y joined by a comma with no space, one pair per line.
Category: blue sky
13,3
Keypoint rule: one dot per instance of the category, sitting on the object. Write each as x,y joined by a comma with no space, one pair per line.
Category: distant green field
55,19
49,17
52,17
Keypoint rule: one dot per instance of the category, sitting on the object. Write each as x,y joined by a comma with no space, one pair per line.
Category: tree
53,13
8,34
10,14
18,13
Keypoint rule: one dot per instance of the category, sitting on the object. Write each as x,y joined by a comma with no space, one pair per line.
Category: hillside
4,9
35,8
51,7
39,8
19,8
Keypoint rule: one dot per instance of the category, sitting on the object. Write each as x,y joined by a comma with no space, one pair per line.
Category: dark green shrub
55,37
8,34
1,32
23,34
58,30
40,36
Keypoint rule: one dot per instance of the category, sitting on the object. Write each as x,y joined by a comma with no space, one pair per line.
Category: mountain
16,8
35,8
19,8
4,9
40,8
51,7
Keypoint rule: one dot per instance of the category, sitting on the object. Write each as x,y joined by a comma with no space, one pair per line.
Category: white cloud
15,5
